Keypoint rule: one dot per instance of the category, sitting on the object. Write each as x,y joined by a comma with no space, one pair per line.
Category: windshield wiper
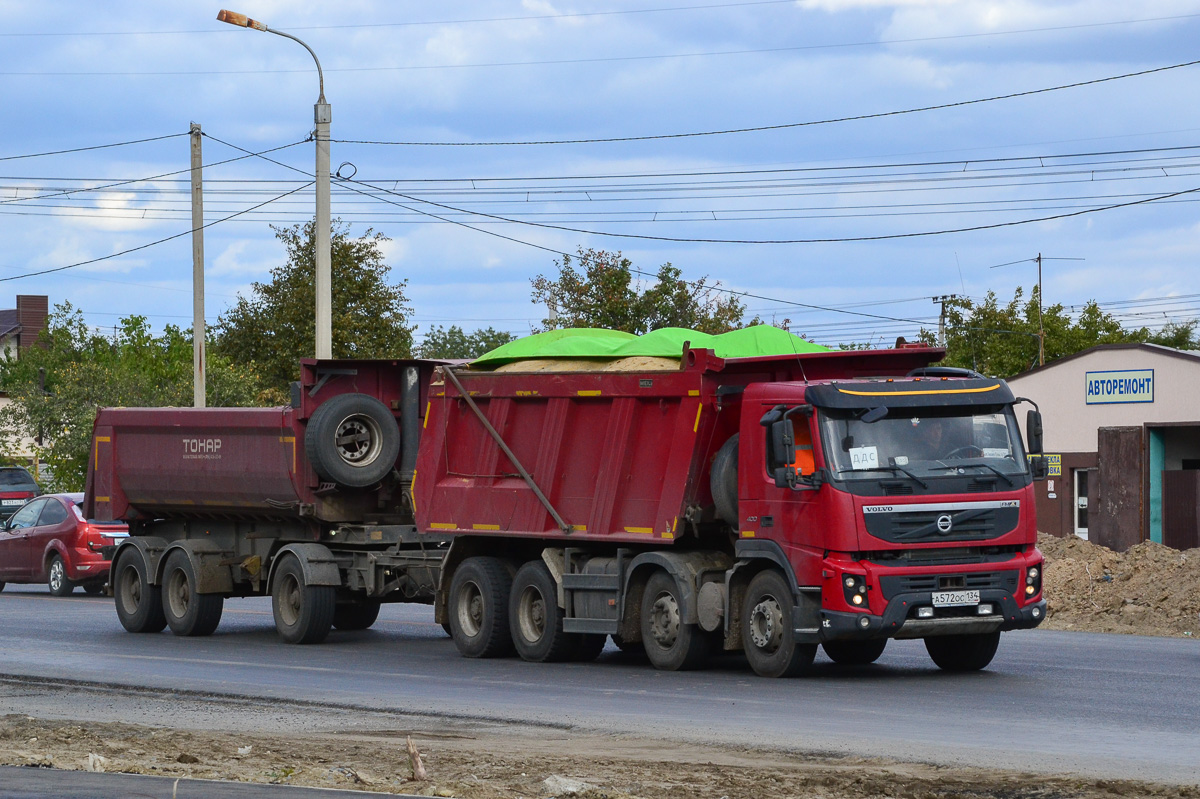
987,466
900,469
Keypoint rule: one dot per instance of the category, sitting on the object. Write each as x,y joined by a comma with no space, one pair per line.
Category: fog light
924,613
984,610
864,622
1037,612
857,599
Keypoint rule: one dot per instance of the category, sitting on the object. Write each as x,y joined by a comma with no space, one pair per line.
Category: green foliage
274,327
602,292
86,370
452,343
1002,340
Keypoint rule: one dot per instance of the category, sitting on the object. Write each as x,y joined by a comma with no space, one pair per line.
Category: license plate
949,599
14,502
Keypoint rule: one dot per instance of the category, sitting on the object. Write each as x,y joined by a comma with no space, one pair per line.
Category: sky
851,153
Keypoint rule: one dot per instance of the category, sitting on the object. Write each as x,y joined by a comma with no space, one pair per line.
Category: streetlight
322,115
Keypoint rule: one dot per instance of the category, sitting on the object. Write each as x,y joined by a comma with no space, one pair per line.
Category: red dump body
231,462
620,456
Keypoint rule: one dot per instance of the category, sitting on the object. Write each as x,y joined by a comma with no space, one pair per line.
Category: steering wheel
967,451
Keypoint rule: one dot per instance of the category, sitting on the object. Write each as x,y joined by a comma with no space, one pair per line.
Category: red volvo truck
770,505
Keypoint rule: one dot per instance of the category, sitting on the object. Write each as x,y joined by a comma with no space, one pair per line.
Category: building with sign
1122,437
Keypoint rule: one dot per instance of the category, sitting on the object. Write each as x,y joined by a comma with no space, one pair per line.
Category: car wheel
963,652
93,588
139,604
187,612
57,578
303,613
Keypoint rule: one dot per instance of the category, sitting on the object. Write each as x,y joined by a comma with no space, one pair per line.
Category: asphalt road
1101,705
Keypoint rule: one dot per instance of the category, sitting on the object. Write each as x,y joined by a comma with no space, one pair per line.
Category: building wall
1070,424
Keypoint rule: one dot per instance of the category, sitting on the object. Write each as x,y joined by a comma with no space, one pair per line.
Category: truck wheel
671,645
535,618
478,598
963,652
854,653
139,604
303,613
767,628
57,580
358,615
187,612
723,482
352,440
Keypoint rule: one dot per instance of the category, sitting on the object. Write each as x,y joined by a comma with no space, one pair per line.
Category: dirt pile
1149,590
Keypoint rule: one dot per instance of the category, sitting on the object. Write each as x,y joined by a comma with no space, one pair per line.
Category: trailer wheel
479,594
188,613
303,613
671,645
963,652
535,618
767,628
358,615
139,604
854,653
352,440
723,482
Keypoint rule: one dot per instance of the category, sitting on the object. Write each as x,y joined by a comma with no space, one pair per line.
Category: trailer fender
152,549
316,561
753,557
213,575
687,569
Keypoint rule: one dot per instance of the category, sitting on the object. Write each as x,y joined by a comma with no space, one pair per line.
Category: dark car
16,487
49,540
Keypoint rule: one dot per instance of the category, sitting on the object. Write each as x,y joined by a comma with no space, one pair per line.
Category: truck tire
187,613
139,604
671,645
358,615
534,617
723,482
854,653
478,606
56,579
303,613
767,628
352,440
963,652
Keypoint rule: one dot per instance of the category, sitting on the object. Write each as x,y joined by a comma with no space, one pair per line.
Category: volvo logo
944,523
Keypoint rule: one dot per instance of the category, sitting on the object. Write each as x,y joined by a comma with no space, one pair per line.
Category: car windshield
923,441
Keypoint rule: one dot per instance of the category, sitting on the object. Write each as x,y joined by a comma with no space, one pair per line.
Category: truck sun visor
910,393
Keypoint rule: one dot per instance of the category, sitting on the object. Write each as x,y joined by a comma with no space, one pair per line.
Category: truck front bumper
897,620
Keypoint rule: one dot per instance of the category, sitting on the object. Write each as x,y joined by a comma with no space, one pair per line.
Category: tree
452,343
85,370
602,292
274,327
1002,340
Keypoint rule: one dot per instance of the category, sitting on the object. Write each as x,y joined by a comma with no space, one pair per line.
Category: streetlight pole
322,115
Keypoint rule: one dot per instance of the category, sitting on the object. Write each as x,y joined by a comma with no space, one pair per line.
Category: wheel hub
358,440
766,625
532,616
664,621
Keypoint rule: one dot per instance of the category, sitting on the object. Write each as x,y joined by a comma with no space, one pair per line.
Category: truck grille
929,524
920,583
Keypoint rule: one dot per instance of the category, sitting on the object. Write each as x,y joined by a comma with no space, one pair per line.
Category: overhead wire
92,147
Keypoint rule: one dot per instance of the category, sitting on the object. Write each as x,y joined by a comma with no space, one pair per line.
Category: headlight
854,587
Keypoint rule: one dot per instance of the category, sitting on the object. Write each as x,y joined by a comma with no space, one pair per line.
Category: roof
1192,356
9,321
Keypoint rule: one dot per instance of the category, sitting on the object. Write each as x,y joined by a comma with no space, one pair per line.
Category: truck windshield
923,441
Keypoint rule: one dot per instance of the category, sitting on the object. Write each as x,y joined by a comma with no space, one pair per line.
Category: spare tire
352,440
723,481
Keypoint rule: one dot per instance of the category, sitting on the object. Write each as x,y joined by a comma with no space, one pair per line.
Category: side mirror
781,444
1033,431
1039,467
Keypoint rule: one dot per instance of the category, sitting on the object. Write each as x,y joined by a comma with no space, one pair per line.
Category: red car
48,540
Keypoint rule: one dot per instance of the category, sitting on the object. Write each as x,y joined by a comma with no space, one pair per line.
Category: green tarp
749,342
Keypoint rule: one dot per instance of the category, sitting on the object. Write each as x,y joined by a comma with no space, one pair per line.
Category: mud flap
806,617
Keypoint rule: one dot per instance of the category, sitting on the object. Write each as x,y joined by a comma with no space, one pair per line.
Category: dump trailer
769,505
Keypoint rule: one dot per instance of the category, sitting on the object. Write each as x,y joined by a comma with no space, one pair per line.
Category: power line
93,147
787,125
143,246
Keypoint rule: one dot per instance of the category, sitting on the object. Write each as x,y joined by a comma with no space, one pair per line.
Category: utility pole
1041,325
198,384
943,299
